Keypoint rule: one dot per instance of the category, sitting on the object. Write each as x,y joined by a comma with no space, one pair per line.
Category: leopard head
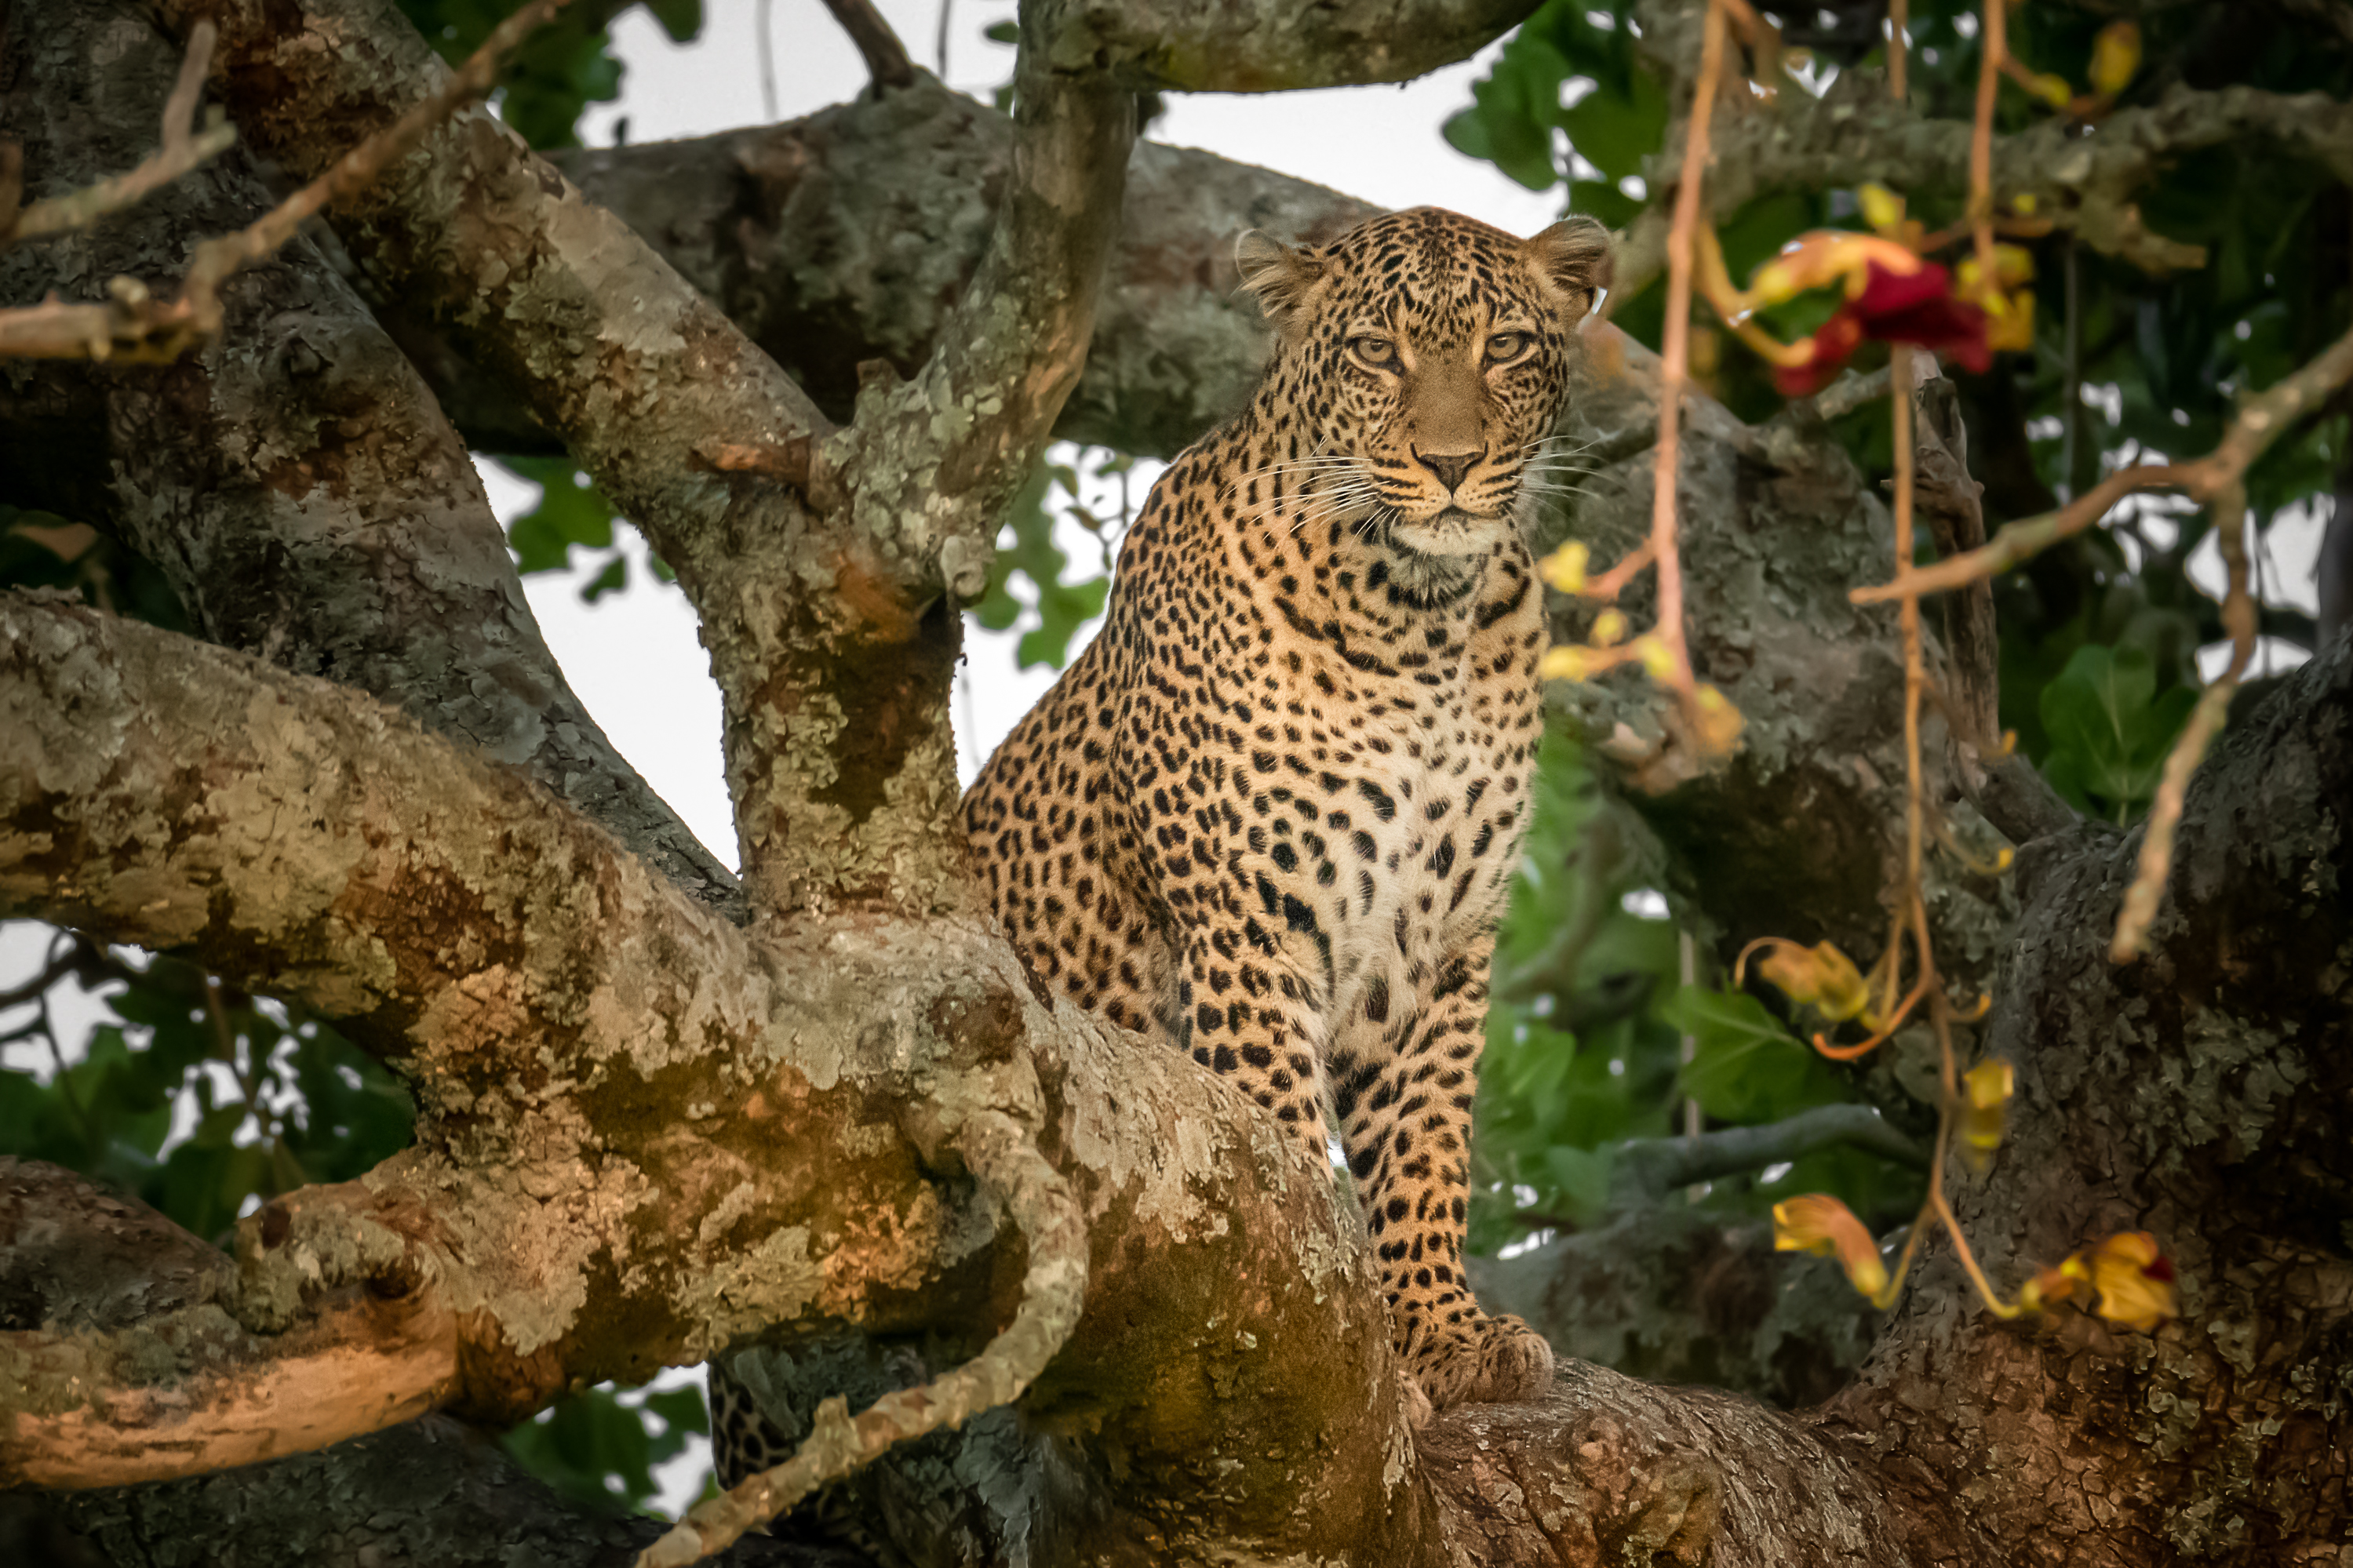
1422,361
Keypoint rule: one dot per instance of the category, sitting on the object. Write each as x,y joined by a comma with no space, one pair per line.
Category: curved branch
105,1396
850,236
878,46
1652,1167
608,346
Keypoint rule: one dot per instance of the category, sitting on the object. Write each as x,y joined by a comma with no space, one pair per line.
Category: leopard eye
1505,347
1378,353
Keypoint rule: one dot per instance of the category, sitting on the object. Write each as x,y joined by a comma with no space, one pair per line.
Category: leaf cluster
561,70
1586,1033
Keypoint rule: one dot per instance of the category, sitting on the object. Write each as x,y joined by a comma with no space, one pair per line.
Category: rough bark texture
648,1135
2203,1093
294,480
851,234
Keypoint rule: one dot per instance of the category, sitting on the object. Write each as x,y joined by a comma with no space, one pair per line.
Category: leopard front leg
1251,1015
1404,1072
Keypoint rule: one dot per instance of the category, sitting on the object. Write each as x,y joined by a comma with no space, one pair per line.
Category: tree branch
181,152
849,236
2084,184
432,1493
296,482
1652,1167
1268,45
885,56
89,1407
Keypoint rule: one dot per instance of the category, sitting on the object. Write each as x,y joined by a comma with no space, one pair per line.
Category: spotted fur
1269,814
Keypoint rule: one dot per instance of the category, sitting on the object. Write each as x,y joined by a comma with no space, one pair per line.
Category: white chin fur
1450,534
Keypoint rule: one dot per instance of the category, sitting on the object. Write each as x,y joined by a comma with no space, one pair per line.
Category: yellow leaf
2051,1285
1608,628
1570,663
2116,57
2135,1280
1564,567
1820,1224
1985,1093
1882,209
1719,721
1658,660
2052,90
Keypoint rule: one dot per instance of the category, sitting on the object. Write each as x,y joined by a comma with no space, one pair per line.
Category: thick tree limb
2080,183
294,480
101,1296
184,148
1268,45
805,560
428,1494
849,236
2200,1094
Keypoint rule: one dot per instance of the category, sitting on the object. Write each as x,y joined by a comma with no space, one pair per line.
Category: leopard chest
1386,807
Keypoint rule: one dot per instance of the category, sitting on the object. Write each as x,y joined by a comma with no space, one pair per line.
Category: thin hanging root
1002,1157
2205,722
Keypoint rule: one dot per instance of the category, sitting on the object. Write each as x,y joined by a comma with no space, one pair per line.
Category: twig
2262,420
1993,36
1676,353
1007,1162
1656,1166
885,56
181,152
2206,719
139,327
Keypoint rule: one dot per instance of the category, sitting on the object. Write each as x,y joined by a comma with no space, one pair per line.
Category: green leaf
1062,609
611,579
571,511
2108,730
1745,1067
594,1446
1615,132
682,19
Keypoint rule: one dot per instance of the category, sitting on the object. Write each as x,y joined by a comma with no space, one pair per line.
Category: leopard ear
1277,275
1574,256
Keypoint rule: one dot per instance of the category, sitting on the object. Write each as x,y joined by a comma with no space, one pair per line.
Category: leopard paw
1487,1361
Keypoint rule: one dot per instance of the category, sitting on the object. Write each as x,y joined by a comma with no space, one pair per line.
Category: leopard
1269,815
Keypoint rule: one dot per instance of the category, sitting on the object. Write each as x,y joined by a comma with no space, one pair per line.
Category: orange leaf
1820,1224
1819,976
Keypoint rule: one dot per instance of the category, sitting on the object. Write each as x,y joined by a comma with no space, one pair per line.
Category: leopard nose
1450,467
